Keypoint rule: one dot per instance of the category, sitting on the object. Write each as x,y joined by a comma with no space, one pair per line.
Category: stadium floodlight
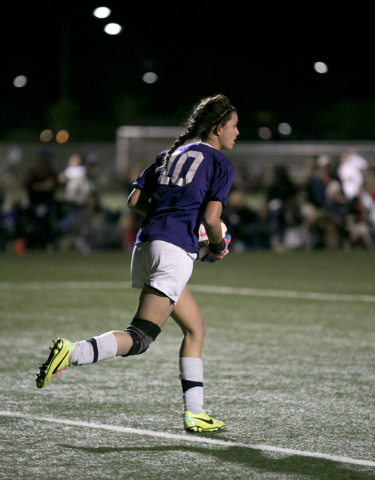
20,81
62,136
284,128
102,12
320,67
150,77
264,133
46,135
113,28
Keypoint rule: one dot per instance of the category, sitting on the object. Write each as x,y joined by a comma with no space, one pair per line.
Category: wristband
217,248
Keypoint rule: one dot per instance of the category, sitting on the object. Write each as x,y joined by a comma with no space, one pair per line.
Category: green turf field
289,365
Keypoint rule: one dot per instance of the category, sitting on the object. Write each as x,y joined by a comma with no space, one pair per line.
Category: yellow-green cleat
201,422
57,361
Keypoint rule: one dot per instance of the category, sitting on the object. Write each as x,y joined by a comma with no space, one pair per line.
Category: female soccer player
185,186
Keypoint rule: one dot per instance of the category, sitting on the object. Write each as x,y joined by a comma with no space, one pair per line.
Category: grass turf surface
282,372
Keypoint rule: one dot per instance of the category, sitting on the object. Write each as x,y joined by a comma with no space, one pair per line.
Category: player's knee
196,332
202,330
143,334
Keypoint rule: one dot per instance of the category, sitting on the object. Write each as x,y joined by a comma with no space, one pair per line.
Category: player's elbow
212,213
133,198
131,203
210,219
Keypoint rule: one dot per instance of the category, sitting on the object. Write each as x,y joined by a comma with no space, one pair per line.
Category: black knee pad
143,334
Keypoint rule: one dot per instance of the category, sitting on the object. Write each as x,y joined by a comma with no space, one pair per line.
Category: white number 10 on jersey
175,178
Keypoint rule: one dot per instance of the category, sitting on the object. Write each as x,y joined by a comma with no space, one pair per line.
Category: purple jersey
197,174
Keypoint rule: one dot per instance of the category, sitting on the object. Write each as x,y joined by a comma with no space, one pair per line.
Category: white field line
256,292
187,438
211,289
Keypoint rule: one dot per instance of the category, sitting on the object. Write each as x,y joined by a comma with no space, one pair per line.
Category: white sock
191,376
94,350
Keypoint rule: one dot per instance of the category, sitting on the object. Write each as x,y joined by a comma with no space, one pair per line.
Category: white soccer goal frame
126,135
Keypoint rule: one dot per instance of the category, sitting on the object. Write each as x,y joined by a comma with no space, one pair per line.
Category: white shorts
163,266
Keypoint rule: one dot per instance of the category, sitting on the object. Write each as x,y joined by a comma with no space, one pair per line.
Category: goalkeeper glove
217,251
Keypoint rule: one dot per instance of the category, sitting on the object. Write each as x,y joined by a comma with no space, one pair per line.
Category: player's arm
218,246
211,221
138,201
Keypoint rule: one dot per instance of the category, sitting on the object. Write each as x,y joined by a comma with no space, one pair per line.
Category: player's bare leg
188,316
153,306
152,312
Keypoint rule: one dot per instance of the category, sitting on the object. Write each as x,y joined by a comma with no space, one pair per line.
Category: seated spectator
96,228
327,208
280,195
41,185
368,202
247,228
358,222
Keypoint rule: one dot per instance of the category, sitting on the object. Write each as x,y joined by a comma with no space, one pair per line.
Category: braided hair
207,113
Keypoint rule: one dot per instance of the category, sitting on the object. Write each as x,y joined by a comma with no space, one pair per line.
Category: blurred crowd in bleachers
64,209
331,206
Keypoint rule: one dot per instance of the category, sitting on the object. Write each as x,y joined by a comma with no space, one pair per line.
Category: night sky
261,56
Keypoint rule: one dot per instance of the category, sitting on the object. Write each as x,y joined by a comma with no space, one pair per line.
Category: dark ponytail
209,112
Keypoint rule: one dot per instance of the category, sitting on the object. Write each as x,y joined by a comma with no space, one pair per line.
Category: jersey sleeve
148,179
221,182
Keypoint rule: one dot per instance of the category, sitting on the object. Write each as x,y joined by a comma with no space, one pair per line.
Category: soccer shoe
201,422
57,361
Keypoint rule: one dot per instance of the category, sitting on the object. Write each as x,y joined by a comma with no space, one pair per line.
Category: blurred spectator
92,172
350,171
326,207
41,181
368,201
75,181
317,181
372,192
41,185
244,224
3,229
280,196
361,217
359,221
79,180
96,228
297,233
